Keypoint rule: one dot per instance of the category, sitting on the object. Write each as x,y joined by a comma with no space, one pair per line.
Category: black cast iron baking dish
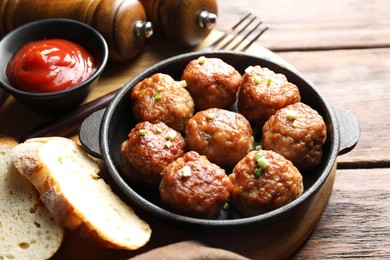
104,131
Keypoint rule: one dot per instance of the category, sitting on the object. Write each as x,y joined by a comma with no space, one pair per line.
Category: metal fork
69,123
239,33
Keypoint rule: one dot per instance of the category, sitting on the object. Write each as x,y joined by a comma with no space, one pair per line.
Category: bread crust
26,221
67,179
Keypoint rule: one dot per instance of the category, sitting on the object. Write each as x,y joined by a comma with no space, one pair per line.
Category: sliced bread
68,181
27,230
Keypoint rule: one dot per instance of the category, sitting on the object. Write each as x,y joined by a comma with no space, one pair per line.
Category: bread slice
27,230
67,179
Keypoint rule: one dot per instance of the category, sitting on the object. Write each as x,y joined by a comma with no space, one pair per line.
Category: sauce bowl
62,101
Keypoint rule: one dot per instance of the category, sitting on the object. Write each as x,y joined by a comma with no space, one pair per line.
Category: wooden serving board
16,120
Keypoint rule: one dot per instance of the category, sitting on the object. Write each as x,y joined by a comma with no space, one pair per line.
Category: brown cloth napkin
188,250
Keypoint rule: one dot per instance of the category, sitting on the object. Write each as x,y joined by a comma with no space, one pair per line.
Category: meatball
194,186
161,98
298,133
212,83
263,92
259,188
148,150
225,137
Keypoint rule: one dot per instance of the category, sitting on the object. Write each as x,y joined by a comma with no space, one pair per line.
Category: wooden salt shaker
187,22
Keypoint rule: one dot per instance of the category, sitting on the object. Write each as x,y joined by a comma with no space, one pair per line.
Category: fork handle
186,21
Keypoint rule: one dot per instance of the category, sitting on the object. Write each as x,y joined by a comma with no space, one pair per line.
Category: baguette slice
67,179
27,230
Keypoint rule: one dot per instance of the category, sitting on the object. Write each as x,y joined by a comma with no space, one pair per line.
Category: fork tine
220,39
245,22
255,38
239,32
247,35
241,21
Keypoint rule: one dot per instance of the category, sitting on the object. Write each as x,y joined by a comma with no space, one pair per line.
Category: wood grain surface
307,25
343,47
356,221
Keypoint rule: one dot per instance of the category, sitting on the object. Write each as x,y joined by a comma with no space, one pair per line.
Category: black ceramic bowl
116,122
65,100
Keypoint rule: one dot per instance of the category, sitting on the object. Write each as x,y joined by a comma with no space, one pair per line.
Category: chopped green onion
226,206
262,162
258,156
201,59
171,135
142,132
159,130
168,144
295,123
210,115
291,114
157,96
183,83
269,81
186,171
257,172
257,80
256,146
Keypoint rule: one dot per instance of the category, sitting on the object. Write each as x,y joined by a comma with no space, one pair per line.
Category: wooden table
343,47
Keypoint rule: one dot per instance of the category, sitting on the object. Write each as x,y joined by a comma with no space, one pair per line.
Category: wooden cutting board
16,120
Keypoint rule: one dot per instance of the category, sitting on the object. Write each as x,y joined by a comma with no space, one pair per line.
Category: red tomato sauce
49,66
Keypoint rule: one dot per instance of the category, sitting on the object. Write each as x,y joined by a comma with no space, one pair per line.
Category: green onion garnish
295,123
142,132
257,80
256,146
171,135
226,206
210,115
258,156
168,144
159,130
257,172
291,114
186,171
269,81
201,59
183,83
262,162
157,96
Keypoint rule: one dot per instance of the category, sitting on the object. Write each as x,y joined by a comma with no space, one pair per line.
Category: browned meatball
258,192
263,92
161,98
149,149
298,133
225,137
212,83
194,186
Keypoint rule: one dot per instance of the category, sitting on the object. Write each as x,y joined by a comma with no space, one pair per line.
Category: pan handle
89,133
349,129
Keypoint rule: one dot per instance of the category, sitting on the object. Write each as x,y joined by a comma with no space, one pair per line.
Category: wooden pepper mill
123,23
187,22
